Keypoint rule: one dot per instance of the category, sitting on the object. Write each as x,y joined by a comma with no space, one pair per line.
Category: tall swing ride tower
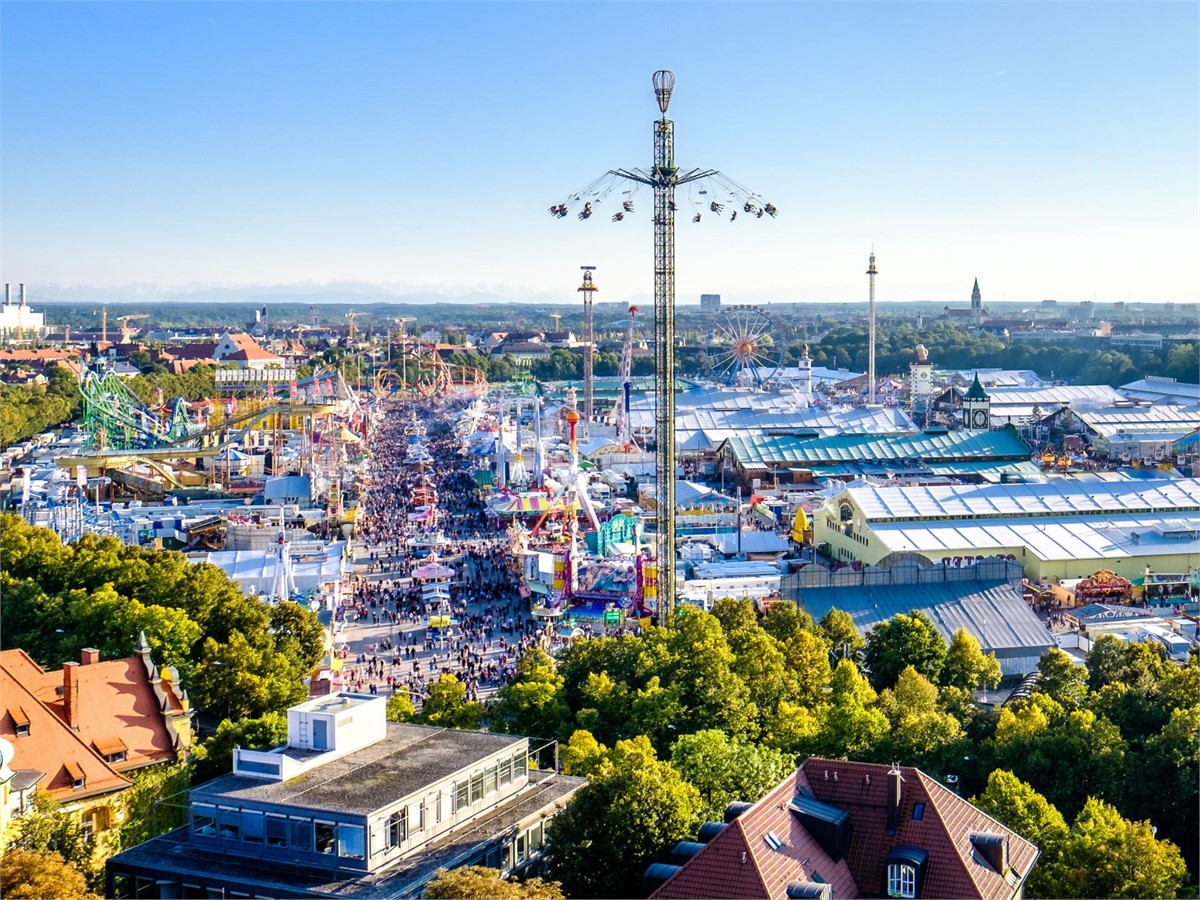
709,192
589,345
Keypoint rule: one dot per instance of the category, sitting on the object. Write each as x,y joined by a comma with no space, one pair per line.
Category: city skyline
1047,149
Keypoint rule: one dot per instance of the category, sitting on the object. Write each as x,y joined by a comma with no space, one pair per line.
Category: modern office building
352,806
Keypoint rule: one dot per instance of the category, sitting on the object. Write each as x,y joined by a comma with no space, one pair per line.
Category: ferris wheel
743,347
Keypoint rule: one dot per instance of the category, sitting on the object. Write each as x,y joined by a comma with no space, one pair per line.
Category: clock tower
977,407
921,387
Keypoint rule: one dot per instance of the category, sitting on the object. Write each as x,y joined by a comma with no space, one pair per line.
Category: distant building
710,303
351,807
842,829
17,321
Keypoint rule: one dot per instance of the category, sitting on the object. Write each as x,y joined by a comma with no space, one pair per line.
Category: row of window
485,783
302,834
515,853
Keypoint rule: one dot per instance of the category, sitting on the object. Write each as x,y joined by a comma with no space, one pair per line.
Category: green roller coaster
117,420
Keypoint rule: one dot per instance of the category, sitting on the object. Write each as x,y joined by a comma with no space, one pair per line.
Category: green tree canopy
534,703
447,706
619,823
480,883
39,875
967,666
904,640
724,770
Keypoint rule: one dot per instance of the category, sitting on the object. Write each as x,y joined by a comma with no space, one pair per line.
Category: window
192,892
421,816
522,848
229,824
489,781
460,796
276,827
80,782
117,757
324,832
773,841
477,787
520,765
352,841
397,828
204,820
506,772
301,834
535,838
20,722
902,881
87,828
918,812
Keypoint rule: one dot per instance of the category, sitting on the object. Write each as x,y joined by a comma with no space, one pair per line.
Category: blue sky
1049,149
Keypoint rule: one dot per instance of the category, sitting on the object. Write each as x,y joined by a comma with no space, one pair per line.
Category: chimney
894,795
22,293
71,694
7,294
89,656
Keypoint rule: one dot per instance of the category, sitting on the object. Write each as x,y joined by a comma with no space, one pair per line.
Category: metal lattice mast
664,347
589,343
664,178
872,271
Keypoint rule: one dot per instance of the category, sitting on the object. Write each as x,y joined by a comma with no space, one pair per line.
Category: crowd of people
424,509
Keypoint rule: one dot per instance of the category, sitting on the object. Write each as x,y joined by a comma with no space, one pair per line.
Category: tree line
673,724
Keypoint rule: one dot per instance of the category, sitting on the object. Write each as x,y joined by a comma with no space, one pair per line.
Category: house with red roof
80,733
843,829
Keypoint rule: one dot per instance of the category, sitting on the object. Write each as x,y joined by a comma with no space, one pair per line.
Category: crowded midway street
383,634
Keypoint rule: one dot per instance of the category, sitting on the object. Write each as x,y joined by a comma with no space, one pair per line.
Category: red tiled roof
203,350
740,863
116,704
52,747
943,832
248,353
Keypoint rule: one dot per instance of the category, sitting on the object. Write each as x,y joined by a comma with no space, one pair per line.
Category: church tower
976,302
804,374
977,408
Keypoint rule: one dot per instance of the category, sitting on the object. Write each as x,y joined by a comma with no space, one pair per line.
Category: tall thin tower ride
589,346
871,271
663,178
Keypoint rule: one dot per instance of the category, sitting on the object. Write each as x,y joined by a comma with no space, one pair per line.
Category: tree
534,703
967,666
904,640
838,626
1062,680
400,707
263,733
806,655
298,634
1106,855
851,724
583,755
480,883
48,828
619,823
39,874
920,733
724,770
238,680
786,620
1019,807
447,706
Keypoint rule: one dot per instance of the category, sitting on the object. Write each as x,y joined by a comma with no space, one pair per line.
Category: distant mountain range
349,292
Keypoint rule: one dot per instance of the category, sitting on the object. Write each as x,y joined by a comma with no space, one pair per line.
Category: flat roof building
1064,528
354,807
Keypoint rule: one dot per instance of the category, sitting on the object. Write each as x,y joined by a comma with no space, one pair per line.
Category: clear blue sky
1049,149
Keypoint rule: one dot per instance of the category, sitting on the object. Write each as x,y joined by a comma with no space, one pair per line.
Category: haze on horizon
1047,149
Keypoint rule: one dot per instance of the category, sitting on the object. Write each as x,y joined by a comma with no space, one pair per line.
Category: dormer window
905,871
902,880
76,774
20,721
